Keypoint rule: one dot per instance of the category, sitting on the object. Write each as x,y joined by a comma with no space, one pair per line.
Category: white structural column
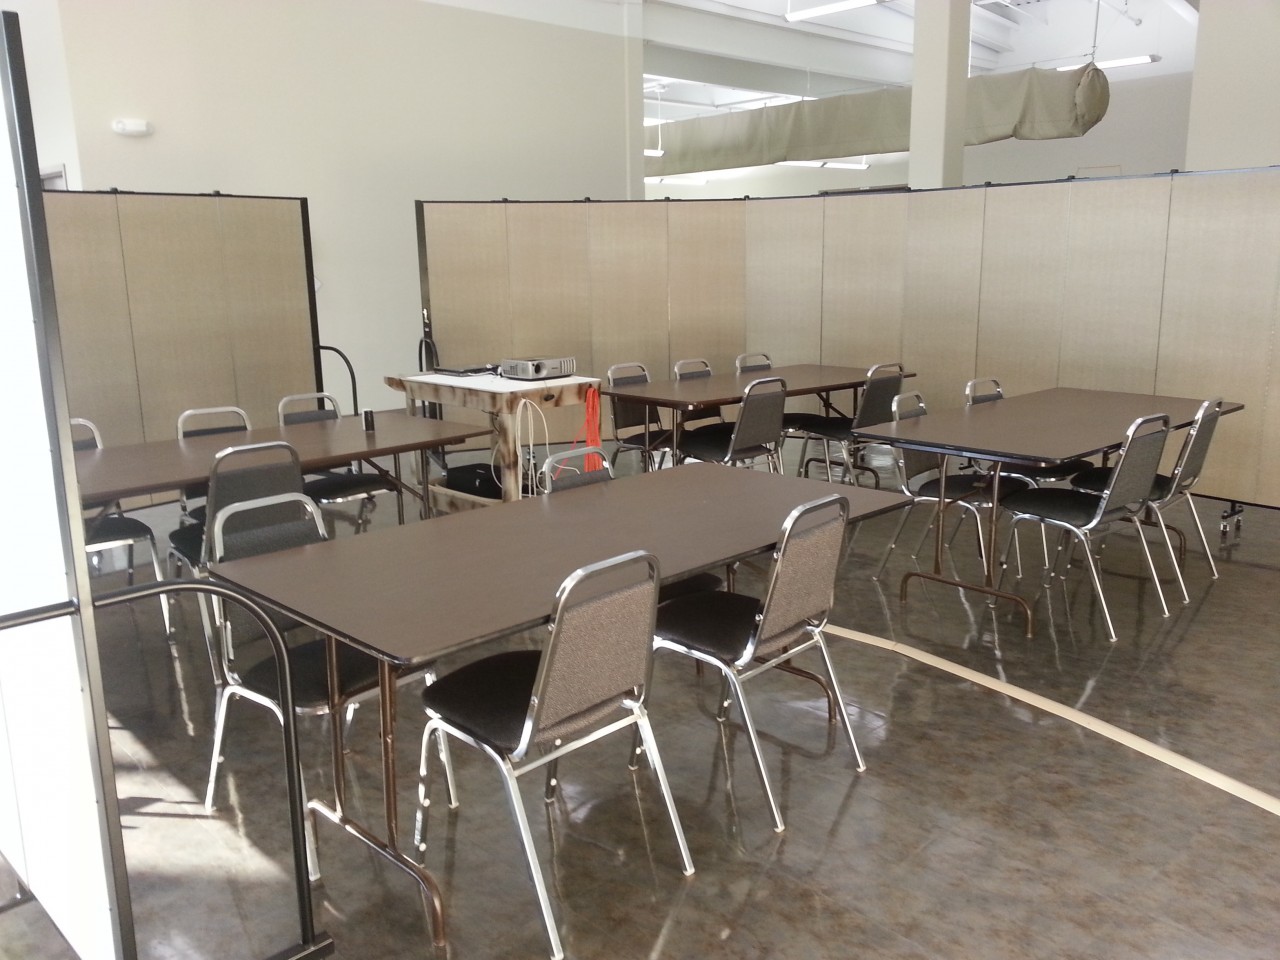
941,69
1235,113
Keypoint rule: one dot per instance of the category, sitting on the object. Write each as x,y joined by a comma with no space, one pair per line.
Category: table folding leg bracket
988,560
386,846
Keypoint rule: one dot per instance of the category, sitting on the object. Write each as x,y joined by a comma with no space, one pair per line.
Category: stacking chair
884,381
1175,486
332,487
755,435
990,391
710,420
110,528
794,423
1084,516
526,709
203,422
249,528
637,427
743,636
919,479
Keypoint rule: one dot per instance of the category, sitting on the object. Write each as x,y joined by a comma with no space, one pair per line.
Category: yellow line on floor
1198,770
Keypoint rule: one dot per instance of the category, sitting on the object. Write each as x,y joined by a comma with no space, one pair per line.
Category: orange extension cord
590,433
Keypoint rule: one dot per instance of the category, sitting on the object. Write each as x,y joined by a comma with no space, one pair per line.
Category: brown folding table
1047,427
159,466
411,594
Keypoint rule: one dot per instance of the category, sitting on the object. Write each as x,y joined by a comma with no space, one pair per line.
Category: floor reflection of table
501,398
409,595
1046,428
161,466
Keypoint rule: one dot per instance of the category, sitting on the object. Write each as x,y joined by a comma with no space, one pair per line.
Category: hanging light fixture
649,152
823,9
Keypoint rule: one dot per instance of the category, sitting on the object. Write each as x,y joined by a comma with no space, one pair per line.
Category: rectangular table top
1045,427
415,592
158,466
725,388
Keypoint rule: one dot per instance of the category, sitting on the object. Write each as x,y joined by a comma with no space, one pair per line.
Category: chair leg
756,750
1097,586
1208,554
531,857
219,729
164,598
1173,556
844,712
553,781
893,542
655,761
1151,566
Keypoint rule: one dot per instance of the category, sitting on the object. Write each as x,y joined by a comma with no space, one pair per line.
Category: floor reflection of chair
526,709
743,636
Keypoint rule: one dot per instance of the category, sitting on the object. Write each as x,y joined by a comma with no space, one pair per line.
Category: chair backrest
884,381
600,651
1129,487
911,463
802,582
215,419
85,438
1195,447
313,406
628,415
252,472
759,423
558,473
982,391
691,369
752,362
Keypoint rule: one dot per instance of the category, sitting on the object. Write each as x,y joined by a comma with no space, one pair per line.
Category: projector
537,368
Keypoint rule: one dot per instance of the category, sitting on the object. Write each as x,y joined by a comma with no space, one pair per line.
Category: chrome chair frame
547,482
756,434
884,381
194,513
539,746
651,440
769,645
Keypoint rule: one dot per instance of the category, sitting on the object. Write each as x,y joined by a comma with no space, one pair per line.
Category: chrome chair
710,420
205,422
637,427
1084,516
989,391
1175,486
919,479
333,487
743,636
526,709
249,528
794,423
755,435
884,382
110,528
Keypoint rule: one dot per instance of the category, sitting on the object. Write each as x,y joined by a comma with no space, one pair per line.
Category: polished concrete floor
985,826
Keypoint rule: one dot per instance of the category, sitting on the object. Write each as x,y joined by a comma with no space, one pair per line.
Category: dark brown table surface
158,466
726,388
1046,427
412,593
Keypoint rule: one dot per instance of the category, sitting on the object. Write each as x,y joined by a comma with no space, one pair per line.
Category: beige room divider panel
783,313
173,260
628,260
863,278
707,274
1220,305
268,303
93,313
1024,242
1114,285
940,302
551,292
465,245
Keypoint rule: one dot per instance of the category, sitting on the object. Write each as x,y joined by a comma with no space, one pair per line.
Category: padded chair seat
1095,480
343,486
488,699
187,541
308,668
832,428
797,422
697,583
114,528
713,448
657,439
1038,473
967,484
717,623
1074,507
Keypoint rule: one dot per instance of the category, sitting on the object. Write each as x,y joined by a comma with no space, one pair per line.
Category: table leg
988,581
506,455
395,472
387,846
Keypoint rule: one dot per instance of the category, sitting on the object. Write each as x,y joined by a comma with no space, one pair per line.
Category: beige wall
356,105
1235,112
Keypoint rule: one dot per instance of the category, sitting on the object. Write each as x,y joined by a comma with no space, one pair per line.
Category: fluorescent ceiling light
653,153
1120,62
799,163
841,165
829,164
823,9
